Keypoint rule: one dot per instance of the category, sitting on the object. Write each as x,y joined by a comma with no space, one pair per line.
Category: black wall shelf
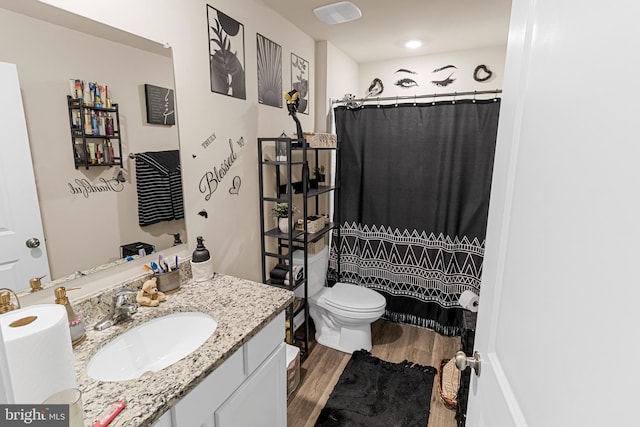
294,240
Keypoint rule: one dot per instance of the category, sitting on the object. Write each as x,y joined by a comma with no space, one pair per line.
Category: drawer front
263,343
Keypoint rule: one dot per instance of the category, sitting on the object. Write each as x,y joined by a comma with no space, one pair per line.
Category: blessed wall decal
212,179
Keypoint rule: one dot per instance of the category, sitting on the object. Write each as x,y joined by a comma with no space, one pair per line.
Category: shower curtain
413,203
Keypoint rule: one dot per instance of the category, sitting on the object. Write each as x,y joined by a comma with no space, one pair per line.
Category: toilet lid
350,297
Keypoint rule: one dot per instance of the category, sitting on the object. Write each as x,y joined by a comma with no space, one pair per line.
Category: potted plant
319,173
281,213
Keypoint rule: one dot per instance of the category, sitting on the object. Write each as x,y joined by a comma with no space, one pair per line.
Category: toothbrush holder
168,282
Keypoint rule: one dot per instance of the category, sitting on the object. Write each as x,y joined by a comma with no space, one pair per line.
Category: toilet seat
353,298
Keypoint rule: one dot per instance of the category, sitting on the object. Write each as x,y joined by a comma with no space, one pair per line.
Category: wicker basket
317,246
448,383
313,226
320,140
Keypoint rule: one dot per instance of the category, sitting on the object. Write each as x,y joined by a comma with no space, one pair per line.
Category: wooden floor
392,342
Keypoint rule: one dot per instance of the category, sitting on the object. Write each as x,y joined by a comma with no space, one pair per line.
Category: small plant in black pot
319,173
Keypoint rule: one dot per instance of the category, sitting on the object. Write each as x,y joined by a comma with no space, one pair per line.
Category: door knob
463,361
33,243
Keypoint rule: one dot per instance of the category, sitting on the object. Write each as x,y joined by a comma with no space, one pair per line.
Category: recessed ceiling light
413,44
337,13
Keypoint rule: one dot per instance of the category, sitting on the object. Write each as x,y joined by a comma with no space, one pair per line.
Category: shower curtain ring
396,100
474,96
433,102
414,99
378,98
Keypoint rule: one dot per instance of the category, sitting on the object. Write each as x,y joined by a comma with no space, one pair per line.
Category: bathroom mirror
87,214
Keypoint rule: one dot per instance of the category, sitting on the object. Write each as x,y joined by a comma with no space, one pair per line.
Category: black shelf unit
293,240
81,139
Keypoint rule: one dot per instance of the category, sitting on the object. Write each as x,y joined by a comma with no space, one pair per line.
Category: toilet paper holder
5,300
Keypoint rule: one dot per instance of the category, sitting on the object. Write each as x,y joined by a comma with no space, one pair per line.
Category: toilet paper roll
38,350
469,300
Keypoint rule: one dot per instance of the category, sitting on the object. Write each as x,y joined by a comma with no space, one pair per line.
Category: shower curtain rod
414,97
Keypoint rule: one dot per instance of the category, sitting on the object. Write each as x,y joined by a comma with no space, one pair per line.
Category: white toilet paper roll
38,349
469,300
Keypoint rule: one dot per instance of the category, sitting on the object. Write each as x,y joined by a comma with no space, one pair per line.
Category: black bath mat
374,393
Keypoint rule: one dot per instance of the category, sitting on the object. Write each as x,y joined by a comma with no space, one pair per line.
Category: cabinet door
164,421
262,399
198,406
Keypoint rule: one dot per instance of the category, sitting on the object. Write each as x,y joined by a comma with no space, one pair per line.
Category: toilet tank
317,264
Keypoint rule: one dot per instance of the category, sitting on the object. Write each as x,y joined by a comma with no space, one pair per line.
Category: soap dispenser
201,262
76,323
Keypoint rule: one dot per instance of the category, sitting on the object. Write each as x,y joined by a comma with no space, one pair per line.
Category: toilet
342,314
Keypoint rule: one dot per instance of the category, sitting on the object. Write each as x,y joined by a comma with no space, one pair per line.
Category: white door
558,321
19,210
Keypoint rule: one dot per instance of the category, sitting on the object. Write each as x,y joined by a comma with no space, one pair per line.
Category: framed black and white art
269,72
300,81
226,54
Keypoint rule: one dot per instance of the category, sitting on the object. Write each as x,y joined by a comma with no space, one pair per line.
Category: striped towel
159,185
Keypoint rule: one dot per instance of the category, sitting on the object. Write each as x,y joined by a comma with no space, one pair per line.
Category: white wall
339,77
232,229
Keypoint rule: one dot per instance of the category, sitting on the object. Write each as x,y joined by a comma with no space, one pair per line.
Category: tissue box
293,368
134,248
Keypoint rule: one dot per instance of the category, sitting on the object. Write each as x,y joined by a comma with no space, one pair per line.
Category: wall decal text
212,179
85,187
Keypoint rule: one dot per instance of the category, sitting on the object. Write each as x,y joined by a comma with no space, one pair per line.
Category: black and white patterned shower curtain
413,204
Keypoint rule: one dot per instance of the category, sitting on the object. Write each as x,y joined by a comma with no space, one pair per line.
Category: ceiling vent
338,13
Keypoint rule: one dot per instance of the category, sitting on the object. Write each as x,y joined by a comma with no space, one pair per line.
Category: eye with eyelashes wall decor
406,82
446,81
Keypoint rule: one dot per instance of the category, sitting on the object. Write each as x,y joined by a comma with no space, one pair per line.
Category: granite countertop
240,307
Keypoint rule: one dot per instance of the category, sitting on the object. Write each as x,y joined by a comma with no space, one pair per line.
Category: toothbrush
162,262
156,268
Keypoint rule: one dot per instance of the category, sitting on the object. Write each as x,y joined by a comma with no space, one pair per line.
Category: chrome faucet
121,309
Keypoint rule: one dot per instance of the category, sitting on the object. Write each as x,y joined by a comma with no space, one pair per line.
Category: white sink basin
152,346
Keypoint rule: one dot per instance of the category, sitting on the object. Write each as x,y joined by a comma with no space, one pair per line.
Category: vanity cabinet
96,139
247,390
